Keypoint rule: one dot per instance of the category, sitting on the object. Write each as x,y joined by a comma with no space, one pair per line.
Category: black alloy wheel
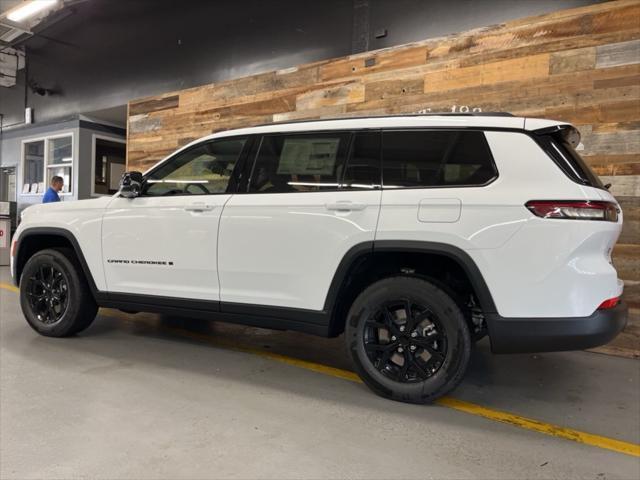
408,339
47,289
405,341
54,294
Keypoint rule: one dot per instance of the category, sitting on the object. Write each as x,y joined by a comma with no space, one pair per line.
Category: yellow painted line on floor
578,436
8,286
599,441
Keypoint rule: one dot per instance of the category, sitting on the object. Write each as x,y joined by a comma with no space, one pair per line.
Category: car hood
67,206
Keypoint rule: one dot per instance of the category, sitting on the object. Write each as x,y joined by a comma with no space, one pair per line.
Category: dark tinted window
202,170
420,158
299,163
363,168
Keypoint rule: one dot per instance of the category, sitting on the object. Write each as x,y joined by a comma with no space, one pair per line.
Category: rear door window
299,162
436,158
363,171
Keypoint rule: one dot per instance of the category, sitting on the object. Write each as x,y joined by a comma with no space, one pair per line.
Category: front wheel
408,339
54,295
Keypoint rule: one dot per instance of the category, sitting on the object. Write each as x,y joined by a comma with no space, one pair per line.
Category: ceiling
12,34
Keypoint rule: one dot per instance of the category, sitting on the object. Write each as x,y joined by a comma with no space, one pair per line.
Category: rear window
436,158
569,161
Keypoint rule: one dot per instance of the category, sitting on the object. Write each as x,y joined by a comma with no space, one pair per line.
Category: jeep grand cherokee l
413,235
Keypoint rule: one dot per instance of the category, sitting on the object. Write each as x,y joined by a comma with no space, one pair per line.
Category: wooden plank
623,53
352,92
393,88
312,113
626,259
625,185
154,105
382,60
273,105
631,223
613,126
603,112
623,81
536,66
572,60
144,124
624,142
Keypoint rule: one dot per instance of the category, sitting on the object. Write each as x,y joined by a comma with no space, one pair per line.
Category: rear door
303,208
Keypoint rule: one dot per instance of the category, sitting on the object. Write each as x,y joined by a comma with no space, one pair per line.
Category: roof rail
430,114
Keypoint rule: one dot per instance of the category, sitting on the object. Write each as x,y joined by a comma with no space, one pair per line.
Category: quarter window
420,158
202,170
299,163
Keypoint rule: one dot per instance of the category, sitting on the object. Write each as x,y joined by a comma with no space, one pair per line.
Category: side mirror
131,184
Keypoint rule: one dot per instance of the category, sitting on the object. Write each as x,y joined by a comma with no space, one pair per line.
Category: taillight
574,209
612,302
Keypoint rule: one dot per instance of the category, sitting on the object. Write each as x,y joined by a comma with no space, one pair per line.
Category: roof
491,120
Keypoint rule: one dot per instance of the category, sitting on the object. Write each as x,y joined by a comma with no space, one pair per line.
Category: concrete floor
133,398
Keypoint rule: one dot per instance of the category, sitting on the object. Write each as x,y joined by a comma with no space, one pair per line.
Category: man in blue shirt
51,195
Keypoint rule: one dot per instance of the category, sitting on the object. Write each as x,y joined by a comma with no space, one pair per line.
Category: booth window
33,166
44,159
60,160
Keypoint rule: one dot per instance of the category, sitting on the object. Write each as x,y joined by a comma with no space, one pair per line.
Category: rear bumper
528,335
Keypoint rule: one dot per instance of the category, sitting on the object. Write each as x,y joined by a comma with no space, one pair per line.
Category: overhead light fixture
29,9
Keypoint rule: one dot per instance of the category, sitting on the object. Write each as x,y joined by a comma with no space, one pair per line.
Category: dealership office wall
580,65
108,52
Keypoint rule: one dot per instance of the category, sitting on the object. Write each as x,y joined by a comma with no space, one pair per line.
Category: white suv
414,235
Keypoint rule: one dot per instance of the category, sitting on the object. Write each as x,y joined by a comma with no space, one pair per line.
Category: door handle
345,206
199,207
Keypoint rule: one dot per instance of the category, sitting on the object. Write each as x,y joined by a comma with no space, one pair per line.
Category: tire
54,294
413,359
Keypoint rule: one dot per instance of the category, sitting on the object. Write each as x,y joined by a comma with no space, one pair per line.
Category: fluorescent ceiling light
29,9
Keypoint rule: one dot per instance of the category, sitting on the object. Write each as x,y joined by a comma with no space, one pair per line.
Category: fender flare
361,250
67,235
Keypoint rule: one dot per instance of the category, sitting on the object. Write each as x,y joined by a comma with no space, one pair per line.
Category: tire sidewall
449,316
68,321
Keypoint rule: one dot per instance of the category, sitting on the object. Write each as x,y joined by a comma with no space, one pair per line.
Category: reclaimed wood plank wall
580,65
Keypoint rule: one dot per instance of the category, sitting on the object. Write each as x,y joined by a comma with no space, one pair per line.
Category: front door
164,242
305,207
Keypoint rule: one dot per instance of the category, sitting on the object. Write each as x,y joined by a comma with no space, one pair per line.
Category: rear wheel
54,295
408,339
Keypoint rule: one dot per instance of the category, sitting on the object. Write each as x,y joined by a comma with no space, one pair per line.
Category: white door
282,241
164,242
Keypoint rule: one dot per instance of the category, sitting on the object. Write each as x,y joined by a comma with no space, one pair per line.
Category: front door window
205,169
